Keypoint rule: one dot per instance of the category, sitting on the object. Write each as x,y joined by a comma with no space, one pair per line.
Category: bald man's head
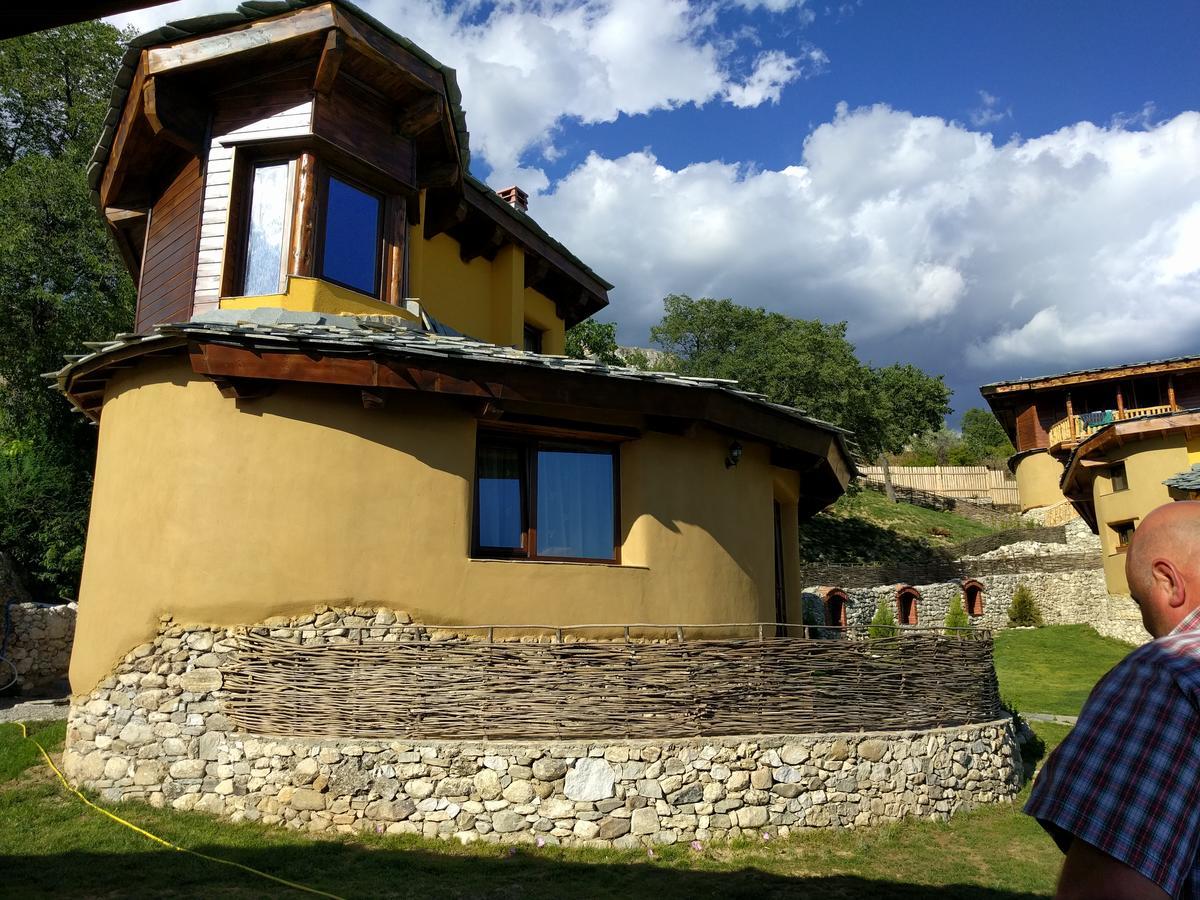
1162,565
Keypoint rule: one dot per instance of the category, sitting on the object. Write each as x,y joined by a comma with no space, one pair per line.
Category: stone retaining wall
1064,598
155,731
1070,597
39,645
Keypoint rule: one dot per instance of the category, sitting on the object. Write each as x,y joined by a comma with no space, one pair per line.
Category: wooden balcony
1073,429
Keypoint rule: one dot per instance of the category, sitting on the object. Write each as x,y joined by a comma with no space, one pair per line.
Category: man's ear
1167,579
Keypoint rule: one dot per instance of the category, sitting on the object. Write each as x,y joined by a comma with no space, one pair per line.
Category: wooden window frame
324,173
237,240
1118,529
1112,477
307,214
537,334
529,443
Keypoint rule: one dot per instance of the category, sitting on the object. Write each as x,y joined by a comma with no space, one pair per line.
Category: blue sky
986,190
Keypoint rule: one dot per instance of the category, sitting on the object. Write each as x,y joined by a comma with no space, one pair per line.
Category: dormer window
268,231
352,235
302,216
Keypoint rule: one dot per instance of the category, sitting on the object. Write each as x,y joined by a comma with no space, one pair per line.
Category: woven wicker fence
476,689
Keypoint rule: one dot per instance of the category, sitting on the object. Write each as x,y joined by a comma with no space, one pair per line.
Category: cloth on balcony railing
1098,419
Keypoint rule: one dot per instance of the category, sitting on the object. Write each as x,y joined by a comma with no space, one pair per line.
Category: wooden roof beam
419,117
331,60
483,243
173,116
211,49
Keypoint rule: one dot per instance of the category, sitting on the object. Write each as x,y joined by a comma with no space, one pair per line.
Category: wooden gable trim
209,49
114,172
1116,374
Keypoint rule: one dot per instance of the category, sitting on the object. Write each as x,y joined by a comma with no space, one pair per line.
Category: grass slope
864,527
1052,670
53,846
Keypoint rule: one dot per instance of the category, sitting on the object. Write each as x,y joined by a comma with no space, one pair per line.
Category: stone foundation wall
39,645
156,731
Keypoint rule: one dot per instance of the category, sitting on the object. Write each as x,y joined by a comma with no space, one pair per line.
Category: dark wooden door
780,590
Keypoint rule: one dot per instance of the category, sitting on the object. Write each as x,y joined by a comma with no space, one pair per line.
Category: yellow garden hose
166,843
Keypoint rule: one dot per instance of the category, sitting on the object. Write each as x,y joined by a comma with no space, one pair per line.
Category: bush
956,618
883,625
1023,610
43,517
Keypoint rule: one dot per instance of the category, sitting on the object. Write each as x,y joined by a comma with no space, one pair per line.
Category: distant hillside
863,527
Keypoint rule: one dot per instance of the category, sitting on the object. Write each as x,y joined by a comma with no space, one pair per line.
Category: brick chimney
515,197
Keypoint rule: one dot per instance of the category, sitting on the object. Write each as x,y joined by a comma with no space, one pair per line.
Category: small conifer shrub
956,618
1023,611
883,625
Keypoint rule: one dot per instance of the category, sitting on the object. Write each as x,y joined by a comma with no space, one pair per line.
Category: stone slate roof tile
348,335
1187,480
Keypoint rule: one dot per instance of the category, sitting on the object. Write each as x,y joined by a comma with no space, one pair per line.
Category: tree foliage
593,340
956,618
62,283
1023,611
883,623
803,363
982,442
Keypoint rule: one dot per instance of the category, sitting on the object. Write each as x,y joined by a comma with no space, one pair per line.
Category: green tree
62,283
1023,611
956,618
883,623
594,340
803,363
984,440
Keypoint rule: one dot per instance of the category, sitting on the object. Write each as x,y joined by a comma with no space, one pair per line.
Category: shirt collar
1190,622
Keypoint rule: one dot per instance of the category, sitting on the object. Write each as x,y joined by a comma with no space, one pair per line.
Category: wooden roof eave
1005,390
818,450
85,383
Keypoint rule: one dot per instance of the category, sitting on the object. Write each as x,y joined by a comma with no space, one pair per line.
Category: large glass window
501,489
351,248
545,499
267,235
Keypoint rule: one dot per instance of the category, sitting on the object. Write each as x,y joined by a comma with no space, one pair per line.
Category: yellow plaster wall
541,312
223,512
316,295
457,293
1147,463
1038,475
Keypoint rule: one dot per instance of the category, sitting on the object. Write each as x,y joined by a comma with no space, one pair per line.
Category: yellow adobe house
346,383
1113,442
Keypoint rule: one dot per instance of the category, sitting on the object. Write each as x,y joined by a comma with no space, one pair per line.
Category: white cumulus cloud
934,242
526,66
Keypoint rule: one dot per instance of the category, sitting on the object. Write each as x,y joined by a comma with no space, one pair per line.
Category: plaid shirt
1127,778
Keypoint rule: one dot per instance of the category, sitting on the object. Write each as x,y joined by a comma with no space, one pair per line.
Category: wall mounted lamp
735,455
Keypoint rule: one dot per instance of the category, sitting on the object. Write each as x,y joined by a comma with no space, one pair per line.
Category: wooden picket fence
957,482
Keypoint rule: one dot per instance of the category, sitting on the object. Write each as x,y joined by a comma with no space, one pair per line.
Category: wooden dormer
315,160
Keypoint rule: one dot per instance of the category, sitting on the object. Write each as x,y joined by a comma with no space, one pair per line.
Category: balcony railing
1076,428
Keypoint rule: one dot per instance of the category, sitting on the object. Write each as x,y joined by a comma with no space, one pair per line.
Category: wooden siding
1187,391
363,125
169,264
242,115
1030,432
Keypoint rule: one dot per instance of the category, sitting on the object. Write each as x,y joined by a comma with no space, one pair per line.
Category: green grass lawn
865,528
51,845
1052,670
